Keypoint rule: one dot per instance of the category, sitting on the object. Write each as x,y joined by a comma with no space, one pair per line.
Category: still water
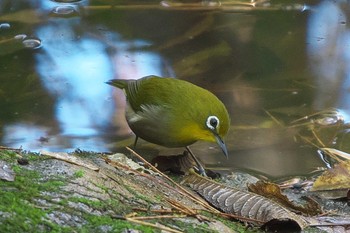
271,64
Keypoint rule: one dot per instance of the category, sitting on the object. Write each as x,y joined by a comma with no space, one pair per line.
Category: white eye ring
213,122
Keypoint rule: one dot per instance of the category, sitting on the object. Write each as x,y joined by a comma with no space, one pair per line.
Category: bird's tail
120,83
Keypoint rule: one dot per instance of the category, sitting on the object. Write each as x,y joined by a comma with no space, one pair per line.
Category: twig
188,211
70,159
330,225
273,118
184,191
308,141
178,206
127,168
318,139
159,217
164,211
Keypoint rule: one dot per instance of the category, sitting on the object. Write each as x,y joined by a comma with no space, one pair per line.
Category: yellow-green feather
177,109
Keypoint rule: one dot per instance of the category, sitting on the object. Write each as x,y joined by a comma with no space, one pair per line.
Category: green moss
8,155
35,156
98,185
28,185
20,213
78,174
12,156
159,198
17,214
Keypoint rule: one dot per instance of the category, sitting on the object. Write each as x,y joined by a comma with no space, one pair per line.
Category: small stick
273,118
184,191
70,159
159,217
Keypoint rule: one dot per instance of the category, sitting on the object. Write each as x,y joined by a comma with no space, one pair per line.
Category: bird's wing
151,113
143,93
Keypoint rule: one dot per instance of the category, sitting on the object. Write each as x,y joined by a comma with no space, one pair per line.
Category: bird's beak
221,143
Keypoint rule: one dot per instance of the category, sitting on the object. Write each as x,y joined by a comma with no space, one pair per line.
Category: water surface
271,65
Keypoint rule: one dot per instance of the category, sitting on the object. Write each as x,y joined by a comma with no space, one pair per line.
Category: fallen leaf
249,206
272,191
335,182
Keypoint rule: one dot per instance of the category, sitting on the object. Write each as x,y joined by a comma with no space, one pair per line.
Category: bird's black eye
212,122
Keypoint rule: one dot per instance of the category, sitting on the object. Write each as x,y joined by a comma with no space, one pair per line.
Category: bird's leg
201,170
135,142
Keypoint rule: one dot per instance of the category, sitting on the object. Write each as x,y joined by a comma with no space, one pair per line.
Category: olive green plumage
172,112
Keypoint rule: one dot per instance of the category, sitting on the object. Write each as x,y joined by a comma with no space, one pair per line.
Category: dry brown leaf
273,192
244,204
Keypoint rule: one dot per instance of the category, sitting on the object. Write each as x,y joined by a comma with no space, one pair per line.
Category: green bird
173,113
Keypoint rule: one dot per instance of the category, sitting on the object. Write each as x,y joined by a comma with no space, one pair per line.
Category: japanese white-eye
172,112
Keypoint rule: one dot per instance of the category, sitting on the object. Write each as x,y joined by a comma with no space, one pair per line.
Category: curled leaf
273,192
244,204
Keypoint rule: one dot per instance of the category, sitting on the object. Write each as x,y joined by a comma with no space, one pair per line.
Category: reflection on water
73,68
328,41
56,56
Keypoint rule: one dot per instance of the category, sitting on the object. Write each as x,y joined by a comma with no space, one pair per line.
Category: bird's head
211,126
217,130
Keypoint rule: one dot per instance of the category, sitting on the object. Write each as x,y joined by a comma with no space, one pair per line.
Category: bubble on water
64,11
20,36
5,26
32,43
